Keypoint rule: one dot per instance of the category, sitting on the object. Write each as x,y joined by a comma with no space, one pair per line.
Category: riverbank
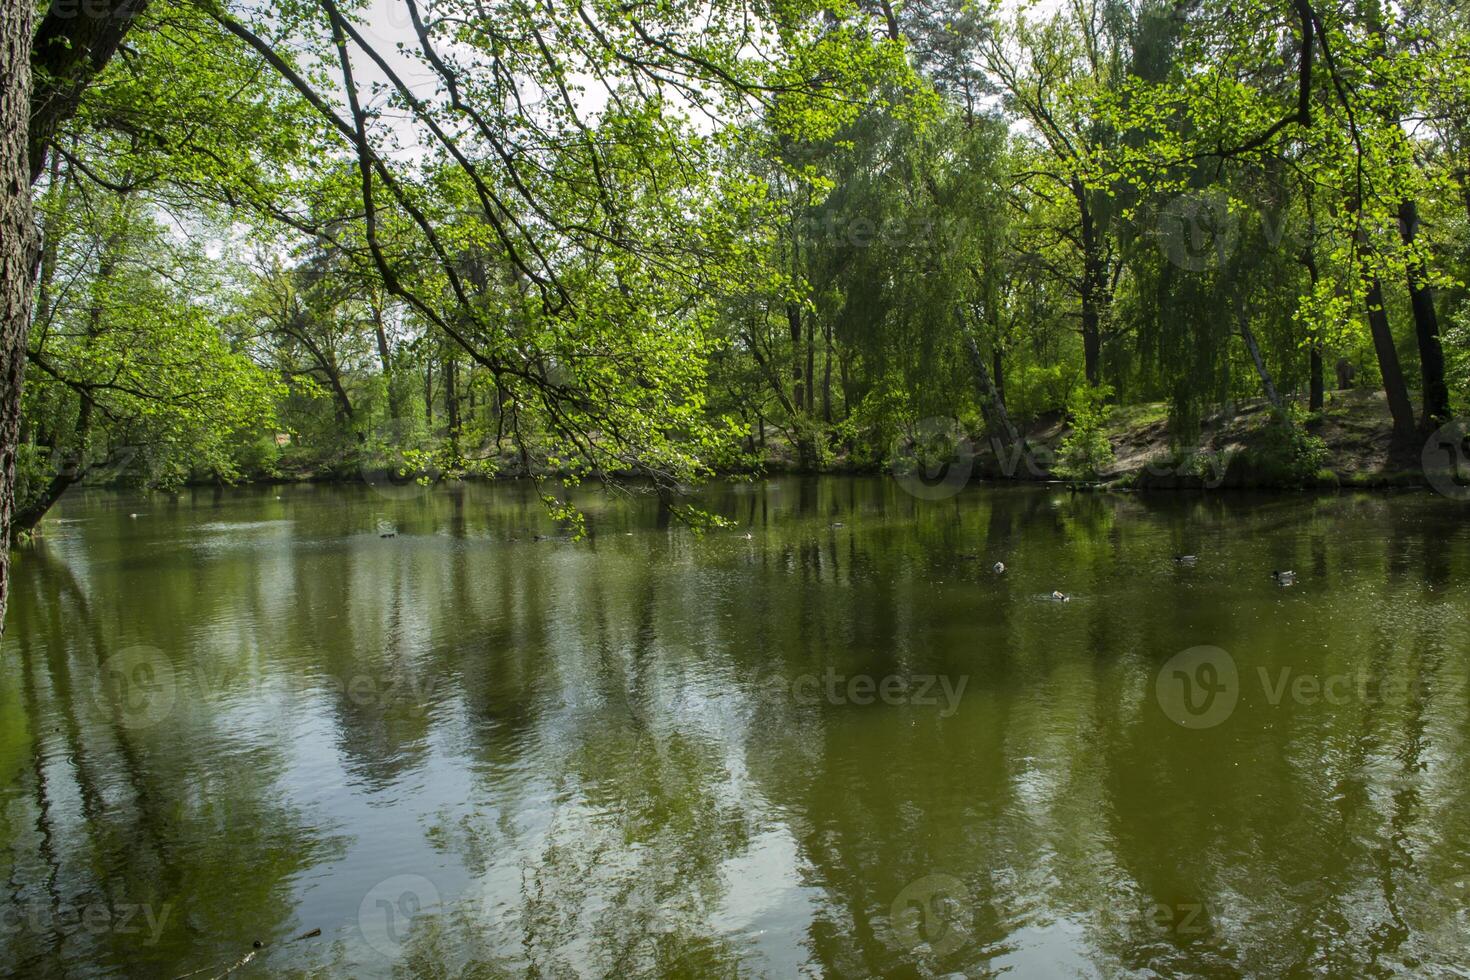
1348,444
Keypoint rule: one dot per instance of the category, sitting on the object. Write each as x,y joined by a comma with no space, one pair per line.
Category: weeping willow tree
912,266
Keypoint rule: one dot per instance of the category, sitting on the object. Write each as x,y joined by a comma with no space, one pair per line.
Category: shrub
1287,455
1085,451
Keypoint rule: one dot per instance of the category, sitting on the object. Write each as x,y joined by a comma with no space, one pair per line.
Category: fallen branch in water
260,947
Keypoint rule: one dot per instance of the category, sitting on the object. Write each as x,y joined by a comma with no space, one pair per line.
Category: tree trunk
811,363
1004,438
805,451
26,520
827,371
65,475
843,377
892,19
793,321
385,357
1316,394
1388,363
1267,383
73,43
451,397
1094,289
1426,323
18,254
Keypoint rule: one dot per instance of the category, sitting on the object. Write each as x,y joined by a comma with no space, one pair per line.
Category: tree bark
18,253
1094,290
1004,437
793,321
451,397
1267,383
65,475
1394,387
1426,323
73,43
811,363
1316,396
385,357
806,452
1316,392
827,371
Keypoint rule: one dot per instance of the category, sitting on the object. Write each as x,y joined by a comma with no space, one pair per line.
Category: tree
46,77
132,373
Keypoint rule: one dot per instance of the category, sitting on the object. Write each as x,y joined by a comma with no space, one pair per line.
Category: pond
829,740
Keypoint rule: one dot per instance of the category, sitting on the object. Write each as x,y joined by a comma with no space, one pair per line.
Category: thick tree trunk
26,520
346,414
73,43
65,475
18,253
1388,363
1426,324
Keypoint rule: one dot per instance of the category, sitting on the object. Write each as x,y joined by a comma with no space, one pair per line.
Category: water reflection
480,749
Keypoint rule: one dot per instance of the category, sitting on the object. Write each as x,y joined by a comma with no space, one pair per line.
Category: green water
841,746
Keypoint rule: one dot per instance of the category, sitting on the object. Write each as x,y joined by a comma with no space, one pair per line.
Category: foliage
652,247
1285,455
1085,451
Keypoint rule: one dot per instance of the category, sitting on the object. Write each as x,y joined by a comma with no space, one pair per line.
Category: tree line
618,241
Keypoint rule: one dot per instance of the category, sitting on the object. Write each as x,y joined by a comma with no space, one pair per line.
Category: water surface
827,741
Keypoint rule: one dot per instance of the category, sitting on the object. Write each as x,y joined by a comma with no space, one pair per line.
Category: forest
651,242
642,488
